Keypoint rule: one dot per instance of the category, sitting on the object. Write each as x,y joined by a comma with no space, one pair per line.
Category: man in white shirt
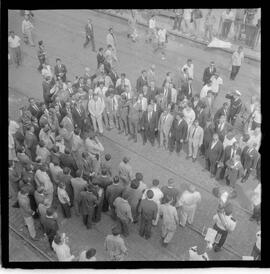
125,79
216,83
224,223
237,60
205,89
27,28
111,40
96,107
190,68
88,255
14,45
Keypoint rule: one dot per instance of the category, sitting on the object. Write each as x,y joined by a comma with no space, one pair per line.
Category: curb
181,36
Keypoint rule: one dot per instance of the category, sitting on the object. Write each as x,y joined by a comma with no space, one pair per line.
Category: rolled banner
216,43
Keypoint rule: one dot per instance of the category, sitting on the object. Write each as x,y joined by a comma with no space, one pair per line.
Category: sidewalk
164,20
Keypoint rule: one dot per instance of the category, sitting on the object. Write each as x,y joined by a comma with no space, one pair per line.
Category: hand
142,128
155,129
181,141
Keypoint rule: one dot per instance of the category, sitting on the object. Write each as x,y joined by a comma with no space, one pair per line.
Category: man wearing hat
89,34
224,223
148,213
235,105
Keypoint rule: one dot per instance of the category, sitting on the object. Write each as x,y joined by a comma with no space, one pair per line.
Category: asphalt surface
63,35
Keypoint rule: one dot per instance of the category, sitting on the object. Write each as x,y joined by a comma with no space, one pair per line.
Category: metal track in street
28,242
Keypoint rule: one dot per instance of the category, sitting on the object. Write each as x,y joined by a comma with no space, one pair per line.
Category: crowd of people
56,158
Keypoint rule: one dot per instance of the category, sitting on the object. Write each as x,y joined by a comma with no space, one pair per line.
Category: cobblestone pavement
66,42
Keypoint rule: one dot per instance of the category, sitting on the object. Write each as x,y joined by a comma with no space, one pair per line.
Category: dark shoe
252,219
16,205
164,244
217,249
194,160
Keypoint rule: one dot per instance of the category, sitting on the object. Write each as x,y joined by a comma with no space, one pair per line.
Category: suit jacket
207,74
214,154
249,159
78,118
220,112
133,114
140,83
226,155
35,112
46,90
148,209
31,141
235,106
50,226
163,124
66,160
112,192
197,139
202,117
100,59
88,201
89,31
179,131
152,124
222,132
58,70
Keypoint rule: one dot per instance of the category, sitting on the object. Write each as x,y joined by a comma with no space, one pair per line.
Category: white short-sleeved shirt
216,82
14,42
187,14
190,70
237,58
162,35
204,91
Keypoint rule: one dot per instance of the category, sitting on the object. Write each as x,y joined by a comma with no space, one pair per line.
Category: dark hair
103,171
77,131
143,71
115,179
123,74
134,184
90,253
189,60
138,176
116,231
40,42
100,49
149,194
155,182
58,59
108,157
67,150
49,212
57,239
66,170
79,173
55,148
31,98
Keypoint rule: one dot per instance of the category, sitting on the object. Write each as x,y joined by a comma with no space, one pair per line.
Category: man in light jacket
96,107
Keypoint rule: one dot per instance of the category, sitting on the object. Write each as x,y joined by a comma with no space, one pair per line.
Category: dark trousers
123,124
124,226
97,213
66,210
256,253
148,134
172,142
223,233
50,238
250,35
235,70
177,22
257,213
210,166
87,219
145,227
16,55
113,214
220,173
226,26
231,118
133,126
87,40
41,62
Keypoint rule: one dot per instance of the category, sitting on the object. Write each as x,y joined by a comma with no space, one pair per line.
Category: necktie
194,132
35,107
233,153
79,111
149,116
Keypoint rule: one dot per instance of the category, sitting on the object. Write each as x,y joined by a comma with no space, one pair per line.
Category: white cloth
228,142
26,26
227,219
62,195
187,14
162,35
237,58
62,251
227,16
216,82
152,23
14,42
258,240
13,127
189,116
256,198
126,81
217,43
204,91
96,107
110,39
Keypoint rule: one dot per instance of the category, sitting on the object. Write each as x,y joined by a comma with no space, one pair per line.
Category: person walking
148,213
27,29
188,203
89,34
115,245
178,19
123,213
209,22
226,20
15,47
169,221
237,60
41,54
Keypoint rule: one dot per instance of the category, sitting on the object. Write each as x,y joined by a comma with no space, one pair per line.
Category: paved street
63,34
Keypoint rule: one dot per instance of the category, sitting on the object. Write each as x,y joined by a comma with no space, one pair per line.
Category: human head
144,73
90,253
108,157
189,62
134,184
196,123
116,231
139,176
226,105
149,194
57,239
100,50
126,159
155,182
212,64
144,89
240,49
123,76
170,181
89,20
58,61
215,137
12,34
115,179
150,108
95,96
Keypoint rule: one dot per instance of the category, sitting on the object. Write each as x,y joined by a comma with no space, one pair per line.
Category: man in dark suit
141,81
50,225
228,154
100,57
34,108
209,72
89,34
30,142
66,160
79,116
222,128
178,133
152,91
149,125
88,202
47,85
113,191
235,106
224,110
213,155
60,70
249,159
202,114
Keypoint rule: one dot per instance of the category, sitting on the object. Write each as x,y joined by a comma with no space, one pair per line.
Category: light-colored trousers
97,121
192,150
154,222
29,221
167,233
186,214
28,33
164,137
